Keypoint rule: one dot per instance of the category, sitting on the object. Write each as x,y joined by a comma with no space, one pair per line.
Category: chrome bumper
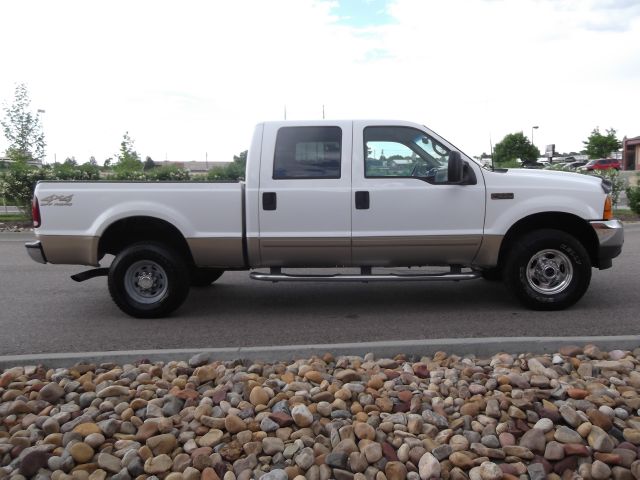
34,249
610,238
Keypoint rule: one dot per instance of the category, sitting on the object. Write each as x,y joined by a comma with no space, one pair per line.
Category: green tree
234,171
89,170
633,195
601,146
513,146
23,129
149,164
128,158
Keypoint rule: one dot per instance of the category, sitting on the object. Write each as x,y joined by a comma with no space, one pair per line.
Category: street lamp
535,127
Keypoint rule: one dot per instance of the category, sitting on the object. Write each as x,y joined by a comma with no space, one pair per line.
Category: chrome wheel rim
549,272
146,282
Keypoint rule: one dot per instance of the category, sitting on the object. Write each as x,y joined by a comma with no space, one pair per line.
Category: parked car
574,165
532,165
602,164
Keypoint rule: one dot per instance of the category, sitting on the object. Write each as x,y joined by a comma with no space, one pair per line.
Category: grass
13,217
626,215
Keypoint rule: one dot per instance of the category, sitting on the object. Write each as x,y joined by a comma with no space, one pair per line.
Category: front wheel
548,270
148,280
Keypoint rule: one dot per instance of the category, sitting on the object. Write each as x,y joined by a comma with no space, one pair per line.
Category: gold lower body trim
70,249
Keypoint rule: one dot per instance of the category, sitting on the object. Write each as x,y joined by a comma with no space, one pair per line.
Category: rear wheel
148,280
203,277
548,270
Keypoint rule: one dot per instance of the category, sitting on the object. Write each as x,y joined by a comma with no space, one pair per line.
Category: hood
546,179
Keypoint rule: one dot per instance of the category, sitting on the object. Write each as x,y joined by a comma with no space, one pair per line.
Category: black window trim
273,170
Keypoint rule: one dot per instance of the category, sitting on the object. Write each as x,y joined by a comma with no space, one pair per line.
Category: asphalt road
42,310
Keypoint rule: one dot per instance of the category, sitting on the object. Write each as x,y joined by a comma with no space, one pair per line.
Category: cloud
190,79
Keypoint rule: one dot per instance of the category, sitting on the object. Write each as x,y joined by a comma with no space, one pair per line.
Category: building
6,161
631,153
193,167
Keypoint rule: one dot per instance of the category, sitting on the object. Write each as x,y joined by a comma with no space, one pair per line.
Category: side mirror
456,166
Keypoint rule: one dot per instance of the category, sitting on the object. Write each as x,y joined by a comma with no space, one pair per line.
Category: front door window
404,152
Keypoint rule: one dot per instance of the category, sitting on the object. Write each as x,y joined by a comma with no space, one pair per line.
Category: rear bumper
34,249
610,239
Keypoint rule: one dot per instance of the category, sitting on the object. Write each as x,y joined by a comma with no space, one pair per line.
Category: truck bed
75,215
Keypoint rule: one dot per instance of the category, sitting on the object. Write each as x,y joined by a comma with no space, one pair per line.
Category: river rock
428,467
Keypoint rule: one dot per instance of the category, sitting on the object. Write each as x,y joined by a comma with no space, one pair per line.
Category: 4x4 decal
56,201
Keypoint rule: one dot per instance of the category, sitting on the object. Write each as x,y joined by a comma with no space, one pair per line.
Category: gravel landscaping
12,227
573,414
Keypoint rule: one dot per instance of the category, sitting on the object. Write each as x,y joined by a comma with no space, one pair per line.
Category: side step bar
276,275
88,274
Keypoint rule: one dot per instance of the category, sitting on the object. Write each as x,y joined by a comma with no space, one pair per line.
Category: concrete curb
414,348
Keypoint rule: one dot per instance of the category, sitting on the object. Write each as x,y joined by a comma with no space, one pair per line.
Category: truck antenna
323,111
285,112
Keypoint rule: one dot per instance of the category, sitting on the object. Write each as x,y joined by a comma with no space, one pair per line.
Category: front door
305,193
413,215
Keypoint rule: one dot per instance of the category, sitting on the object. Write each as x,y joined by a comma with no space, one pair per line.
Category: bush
617,182
67,171
168,173
130,175
508,164
633,195
18,183
555,166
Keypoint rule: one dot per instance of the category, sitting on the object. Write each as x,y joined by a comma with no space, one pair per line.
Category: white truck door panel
305,194
413,217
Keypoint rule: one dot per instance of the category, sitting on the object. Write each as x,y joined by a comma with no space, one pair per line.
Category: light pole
535,127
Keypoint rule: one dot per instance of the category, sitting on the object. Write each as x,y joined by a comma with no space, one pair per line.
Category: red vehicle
603,164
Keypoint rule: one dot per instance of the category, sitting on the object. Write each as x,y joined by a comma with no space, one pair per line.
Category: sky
189,80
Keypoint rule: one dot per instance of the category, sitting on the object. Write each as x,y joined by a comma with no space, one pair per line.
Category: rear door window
307,153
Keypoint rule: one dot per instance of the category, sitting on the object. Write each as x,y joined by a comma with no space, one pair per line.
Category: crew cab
369,194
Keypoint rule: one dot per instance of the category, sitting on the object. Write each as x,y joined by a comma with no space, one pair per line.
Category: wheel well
128,231
566,222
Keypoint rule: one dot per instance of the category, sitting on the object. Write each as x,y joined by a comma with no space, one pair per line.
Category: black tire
164,271
203,277
492,274
548,270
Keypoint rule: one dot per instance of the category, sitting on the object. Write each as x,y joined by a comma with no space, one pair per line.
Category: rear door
305,192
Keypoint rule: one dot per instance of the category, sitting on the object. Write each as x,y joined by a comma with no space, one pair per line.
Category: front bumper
34,249
610,239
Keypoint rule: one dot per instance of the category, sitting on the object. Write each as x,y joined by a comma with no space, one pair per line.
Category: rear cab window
308,153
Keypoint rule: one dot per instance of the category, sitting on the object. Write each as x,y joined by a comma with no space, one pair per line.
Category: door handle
269,201
362,200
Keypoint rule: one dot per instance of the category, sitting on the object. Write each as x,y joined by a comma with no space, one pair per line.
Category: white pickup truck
365,194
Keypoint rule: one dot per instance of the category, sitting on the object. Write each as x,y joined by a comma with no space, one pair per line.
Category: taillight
607,214
35,212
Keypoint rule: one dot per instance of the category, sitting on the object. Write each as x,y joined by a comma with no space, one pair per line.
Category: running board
276,275
88,274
